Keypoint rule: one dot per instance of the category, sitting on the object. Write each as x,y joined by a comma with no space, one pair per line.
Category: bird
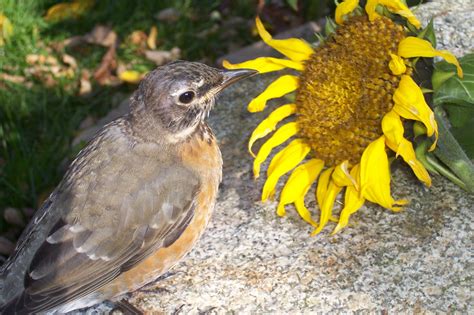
132,203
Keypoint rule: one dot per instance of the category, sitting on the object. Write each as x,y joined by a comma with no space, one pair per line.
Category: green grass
38,123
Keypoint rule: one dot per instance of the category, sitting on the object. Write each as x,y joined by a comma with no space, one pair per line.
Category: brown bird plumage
132,203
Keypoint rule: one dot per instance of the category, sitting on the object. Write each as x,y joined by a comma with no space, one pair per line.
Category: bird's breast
204,158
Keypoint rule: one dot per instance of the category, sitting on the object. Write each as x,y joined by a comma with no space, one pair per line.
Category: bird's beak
232,76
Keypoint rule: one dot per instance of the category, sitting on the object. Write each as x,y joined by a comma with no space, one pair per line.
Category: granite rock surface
251,261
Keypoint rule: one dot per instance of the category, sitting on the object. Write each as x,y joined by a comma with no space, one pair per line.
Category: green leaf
293,4
465,137
429,33
330,26
456,96
449,88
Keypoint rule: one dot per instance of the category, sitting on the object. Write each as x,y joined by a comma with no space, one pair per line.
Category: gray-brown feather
125,200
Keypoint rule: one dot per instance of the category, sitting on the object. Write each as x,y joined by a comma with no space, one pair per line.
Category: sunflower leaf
456,96
449,88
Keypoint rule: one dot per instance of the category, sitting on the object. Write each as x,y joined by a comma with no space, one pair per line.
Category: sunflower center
346,89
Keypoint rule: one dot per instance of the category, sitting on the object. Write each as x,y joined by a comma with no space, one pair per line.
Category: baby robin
131,205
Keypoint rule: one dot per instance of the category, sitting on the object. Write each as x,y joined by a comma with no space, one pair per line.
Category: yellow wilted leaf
67,10
151,41
131,76
6,29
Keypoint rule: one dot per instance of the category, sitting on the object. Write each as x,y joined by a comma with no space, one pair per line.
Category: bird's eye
187,97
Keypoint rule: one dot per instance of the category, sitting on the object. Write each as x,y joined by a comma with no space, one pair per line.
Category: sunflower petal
298,185
393,130
411,47
281,135
397,65
293,48
327,205
375,174
396,6
323,183
410,104
304,213
265,64
281,86
352,202
300,181
283,162
342,177
344,8
269,124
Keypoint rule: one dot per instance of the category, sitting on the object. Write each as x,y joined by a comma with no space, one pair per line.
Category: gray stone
251,261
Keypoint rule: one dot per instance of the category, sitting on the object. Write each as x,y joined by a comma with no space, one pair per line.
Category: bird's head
180,94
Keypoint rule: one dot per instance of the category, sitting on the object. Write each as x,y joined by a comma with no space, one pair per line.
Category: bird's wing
118,213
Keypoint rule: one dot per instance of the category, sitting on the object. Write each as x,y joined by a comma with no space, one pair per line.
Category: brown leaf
6,246
100,35
85,86
70,61
160,57
12,78
168,15
14,216
103,74
138,38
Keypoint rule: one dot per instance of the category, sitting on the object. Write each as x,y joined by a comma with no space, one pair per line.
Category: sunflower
354,93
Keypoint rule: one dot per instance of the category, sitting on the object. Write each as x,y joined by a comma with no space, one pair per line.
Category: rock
252,261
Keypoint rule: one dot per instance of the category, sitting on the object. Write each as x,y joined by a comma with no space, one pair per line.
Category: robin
131,205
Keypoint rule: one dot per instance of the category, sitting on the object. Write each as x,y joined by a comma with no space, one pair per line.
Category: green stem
450,153
443,171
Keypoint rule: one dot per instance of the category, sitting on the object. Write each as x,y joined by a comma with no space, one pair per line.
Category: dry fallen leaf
131,76
151,41
67,10
70,61
6,29
168,15
160,57
85,86
103,74
139,39
100,35
12,78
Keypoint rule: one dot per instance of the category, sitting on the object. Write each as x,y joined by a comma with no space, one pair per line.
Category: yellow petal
393,130
293,48
342,177
375,174
395,6
410,104
323,183
352,202
297,186
344,8
283,162
411,47
281,86
131,76
327,205
281,135
265,64
397,65
304,212
269,124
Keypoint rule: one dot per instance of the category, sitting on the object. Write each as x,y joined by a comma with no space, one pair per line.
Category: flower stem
450,153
